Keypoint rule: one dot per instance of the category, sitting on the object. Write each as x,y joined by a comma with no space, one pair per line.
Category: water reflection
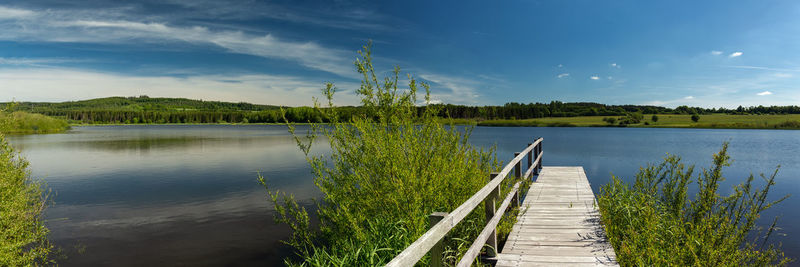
188,195
174,196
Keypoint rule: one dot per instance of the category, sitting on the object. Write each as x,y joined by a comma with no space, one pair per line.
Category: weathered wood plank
558,224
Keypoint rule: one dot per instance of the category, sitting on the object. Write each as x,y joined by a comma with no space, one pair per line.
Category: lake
188,194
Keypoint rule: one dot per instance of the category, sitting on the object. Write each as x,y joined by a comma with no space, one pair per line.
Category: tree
610,120
654,118
695,117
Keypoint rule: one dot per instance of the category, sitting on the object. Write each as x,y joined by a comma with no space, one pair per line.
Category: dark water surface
188,195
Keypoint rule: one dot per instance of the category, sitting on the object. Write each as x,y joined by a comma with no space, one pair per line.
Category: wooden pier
558,222
558,225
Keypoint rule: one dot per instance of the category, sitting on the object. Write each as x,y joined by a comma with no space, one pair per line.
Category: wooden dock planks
558,225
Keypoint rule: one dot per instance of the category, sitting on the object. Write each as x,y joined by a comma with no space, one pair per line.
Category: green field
29,123
785,121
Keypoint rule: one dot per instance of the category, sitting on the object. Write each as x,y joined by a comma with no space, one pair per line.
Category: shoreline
474,123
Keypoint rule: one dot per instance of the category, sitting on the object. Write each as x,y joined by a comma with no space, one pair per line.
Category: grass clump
23,235
29,123
655,222
389,168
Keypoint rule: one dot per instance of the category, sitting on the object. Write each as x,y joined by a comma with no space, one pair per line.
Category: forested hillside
145,109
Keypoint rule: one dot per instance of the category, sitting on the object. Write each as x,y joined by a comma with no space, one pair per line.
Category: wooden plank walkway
559,224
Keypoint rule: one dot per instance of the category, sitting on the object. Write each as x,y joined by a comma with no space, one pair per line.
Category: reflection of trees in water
171,143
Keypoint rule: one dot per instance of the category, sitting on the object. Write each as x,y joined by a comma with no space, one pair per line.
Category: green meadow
782,121
30,123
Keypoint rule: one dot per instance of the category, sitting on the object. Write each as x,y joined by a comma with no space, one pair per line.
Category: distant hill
144,109
140,103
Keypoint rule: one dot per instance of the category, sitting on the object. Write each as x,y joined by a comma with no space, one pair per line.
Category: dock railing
442,222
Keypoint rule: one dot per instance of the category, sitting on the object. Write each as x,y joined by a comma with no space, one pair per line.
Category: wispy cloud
451,89
594,78
716,53
764,93
36,61
13,13
562,75
615,65
689,97
763,68
61,84
106,27
344,15
735,54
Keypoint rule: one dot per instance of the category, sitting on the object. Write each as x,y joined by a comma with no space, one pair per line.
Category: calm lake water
188,195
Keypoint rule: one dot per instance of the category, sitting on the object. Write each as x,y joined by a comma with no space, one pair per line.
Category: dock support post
540,152
531,158
536,156
490,207
438,249
517,176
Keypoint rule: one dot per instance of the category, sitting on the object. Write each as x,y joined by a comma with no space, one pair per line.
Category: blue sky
698,53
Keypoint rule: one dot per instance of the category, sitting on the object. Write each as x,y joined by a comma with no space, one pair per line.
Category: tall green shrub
390,167
655,221
23,235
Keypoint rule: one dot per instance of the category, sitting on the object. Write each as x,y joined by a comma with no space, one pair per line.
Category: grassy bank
29,123
23,235
786,121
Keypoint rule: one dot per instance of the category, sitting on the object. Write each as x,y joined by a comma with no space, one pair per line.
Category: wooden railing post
531,158
535,151
540,152
491,205
438,249
517,175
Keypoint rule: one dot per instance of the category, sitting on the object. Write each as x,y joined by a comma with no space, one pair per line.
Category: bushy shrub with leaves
390,167
655,221
29,123
23,235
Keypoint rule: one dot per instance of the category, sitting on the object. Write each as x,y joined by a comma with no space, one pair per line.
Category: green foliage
28,123
389,168
695,117
631,118
654,118
655,222
610,120
23,235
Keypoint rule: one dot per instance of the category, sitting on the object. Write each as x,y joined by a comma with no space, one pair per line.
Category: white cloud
716,53
615,65
783,75
12,13
735,54
35,61
764,93
763,68
562,75
594,78
108,27
610,78
58,84
560,65
689,97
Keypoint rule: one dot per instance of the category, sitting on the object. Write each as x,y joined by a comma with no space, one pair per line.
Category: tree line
178,110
